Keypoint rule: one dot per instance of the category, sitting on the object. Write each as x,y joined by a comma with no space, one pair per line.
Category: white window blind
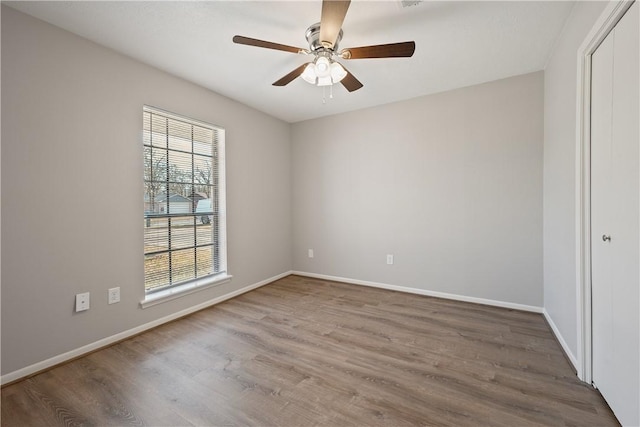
184,227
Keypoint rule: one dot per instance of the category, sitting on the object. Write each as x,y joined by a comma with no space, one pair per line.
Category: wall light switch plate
390,259
310,253
82,302
114,295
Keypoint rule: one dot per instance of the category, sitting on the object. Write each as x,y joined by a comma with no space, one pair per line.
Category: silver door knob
606,238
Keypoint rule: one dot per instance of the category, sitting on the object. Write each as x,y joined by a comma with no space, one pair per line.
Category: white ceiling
457,44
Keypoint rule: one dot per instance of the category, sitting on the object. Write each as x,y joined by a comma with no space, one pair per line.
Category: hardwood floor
302,352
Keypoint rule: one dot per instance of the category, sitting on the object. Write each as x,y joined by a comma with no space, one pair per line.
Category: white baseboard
560,338
64,357
495,303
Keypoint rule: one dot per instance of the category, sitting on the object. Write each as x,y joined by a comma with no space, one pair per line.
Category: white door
615,218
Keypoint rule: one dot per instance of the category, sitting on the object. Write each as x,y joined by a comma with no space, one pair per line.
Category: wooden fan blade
333,13
291,76
391,50
268,45
350,82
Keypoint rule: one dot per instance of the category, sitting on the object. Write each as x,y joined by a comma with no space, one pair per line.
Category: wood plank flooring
306,352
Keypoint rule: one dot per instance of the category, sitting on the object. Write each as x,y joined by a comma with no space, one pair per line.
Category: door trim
612,13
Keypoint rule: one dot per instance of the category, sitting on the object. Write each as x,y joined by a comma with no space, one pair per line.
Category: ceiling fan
323,38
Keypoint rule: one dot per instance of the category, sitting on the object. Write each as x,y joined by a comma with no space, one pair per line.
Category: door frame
612,13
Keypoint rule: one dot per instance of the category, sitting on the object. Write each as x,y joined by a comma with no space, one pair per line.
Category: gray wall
72,188
560,299
451,184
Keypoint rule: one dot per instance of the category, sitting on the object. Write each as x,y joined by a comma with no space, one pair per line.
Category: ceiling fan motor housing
313,37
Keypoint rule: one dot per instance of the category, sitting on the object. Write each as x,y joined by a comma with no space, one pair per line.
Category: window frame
218,196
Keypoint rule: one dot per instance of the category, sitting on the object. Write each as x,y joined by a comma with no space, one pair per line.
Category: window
184,202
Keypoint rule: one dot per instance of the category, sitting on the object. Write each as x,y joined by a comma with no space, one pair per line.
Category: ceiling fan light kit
323,72
323,38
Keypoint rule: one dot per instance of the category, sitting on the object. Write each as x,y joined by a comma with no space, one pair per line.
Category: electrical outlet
82,302
389,259
310,253
114,295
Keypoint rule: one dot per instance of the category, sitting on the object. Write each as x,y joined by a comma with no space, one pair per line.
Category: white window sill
182,290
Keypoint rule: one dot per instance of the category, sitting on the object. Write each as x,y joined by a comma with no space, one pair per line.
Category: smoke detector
409,3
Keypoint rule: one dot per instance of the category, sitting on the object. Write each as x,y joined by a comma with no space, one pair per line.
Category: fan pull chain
324,93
